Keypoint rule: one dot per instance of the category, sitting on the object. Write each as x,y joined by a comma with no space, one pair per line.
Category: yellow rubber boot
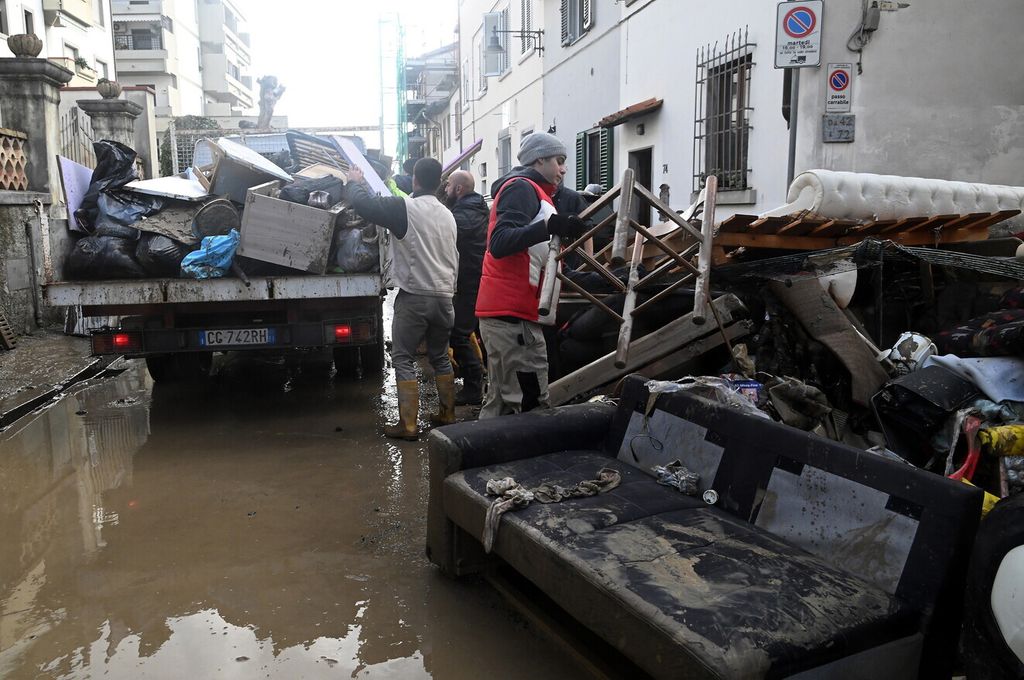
408,409
445,400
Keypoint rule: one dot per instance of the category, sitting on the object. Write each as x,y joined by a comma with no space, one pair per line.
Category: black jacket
569,202
471,216
515,231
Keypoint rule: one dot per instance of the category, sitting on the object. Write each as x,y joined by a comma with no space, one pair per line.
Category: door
640,161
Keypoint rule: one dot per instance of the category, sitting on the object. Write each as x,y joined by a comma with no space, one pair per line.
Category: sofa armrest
499,440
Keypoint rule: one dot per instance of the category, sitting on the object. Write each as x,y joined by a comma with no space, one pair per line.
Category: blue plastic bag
213,259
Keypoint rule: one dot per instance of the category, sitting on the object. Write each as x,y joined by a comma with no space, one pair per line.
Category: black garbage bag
119,213
103,257
115,167
356,250
159,255
299,190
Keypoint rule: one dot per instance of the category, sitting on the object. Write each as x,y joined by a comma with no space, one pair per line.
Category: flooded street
254,527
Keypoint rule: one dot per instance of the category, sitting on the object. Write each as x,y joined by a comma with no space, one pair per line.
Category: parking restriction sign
798,34
838,88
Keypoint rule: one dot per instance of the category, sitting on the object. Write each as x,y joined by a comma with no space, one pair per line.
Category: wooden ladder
7,338
669,260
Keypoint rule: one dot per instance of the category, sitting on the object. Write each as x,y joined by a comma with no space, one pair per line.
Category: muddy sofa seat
818,560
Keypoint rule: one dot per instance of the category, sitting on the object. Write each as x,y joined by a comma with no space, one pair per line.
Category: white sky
326,53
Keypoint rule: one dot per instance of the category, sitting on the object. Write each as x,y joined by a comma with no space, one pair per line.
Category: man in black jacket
471,213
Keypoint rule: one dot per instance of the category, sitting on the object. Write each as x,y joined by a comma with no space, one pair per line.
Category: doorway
640,162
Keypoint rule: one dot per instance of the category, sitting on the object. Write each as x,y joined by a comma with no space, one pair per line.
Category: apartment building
430,81
679,91
192,53
75,34
501,99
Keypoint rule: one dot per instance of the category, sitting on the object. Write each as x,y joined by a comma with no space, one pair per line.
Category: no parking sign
838,88
798,34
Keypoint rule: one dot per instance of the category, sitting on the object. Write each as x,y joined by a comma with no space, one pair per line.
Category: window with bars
722,113
594,162
526,25
577,19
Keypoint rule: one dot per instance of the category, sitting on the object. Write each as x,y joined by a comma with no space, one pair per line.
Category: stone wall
19,289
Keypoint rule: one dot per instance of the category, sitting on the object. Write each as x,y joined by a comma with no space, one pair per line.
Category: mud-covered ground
254,527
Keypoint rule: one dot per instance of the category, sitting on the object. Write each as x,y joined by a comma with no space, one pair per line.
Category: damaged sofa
816,560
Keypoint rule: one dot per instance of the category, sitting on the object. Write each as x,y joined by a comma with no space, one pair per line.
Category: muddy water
258,527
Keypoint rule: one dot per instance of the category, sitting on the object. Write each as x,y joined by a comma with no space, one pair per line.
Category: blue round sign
839,80
799,22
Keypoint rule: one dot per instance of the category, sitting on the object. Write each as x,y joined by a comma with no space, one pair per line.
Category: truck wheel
160,367
346,362
179,367
373,357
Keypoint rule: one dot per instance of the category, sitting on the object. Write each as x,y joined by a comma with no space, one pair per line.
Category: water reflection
231,531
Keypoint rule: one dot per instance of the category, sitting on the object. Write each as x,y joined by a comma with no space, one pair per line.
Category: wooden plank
589,234
285,233
876,227
818,243
834,228
702,291
7,338
642,351
737,224
671,214
993,218
935,222
768,225
626,329
801,226
903,224
964,221
621,237
643,231
601,269
590,296
668,367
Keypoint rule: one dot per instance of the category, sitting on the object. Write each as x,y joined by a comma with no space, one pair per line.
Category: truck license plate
237,336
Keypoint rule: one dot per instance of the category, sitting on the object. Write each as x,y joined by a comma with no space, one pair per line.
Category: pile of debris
860,333
234,213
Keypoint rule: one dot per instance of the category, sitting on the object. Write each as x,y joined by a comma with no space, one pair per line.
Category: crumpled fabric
513,496
1003,440
675,474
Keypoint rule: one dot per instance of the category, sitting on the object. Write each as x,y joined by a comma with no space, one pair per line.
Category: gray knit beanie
539,145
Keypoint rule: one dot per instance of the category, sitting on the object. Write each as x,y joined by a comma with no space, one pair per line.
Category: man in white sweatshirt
425,263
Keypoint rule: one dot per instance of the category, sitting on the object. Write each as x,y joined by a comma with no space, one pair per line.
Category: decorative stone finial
108,89
25,45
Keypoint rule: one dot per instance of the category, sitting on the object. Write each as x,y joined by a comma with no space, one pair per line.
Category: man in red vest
522,220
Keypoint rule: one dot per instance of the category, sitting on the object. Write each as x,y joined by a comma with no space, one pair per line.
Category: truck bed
177,291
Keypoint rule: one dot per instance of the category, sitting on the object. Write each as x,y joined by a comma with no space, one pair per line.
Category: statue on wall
270,92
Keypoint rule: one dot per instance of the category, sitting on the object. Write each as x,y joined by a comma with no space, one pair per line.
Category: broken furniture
667,262
812,560
285,233
227,168
660,353
828,209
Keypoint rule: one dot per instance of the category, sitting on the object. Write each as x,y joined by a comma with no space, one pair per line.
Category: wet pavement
254,527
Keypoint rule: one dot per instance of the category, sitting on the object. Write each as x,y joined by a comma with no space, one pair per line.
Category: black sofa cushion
685,590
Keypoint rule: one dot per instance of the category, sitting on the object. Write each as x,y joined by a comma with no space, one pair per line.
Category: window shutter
527,25
565,21
581,161
483,62
607,160
586,14
504,40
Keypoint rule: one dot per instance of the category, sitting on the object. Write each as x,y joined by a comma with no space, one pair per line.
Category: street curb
15,413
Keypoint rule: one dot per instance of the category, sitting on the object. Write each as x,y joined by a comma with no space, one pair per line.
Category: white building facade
682,90
75,34
192,53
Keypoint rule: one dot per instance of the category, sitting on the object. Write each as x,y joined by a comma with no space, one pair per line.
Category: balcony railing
134,42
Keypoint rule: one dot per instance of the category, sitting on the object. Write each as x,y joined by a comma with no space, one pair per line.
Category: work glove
569,227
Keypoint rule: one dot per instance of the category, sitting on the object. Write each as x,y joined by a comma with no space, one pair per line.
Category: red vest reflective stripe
505,287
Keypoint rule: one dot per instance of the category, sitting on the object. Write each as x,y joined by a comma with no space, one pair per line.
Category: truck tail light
116,342
342,332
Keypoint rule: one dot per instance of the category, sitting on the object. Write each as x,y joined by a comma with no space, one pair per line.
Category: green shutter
581,161
565,21
607,159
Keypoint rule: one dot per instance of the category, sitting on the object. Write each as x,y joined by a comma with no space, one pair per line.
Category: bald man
471,213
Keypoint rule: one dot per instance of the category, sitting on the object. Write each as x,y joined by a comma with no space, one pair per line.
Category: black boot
472,391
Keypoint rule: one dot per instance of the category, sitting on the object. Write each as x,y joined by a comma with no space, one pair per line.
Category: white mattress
864,196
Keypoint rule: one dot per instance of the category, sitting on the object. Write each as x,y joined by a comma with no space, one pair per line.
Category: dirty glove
568,227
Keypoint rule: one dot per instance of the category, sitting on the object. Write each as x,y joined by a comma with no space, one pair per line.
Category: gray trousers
419,317
517,367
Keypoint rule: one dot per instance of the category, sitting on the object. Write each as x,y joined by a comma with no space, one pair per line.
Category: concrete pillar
112,119
30,101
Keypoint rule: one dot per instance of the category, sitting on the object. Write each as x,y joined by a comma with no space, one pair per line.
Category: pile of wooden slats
813,232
